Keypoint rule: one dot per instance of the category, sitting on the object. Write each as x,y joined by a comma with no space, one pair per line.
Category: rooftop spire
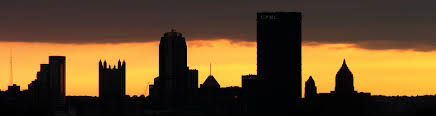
11,78
310,80
344,64
210,68
344,67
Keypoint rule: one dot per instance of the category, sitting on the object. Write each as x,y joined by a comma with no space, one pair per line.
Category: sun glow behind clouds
386,72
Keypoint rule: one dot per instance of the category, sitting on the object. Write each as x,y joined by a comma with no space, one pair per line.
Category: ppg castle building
279,55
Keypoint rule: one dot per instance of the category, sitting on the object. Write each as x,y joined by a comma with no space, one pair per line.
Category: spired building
279,60
112,81
310,89
344,80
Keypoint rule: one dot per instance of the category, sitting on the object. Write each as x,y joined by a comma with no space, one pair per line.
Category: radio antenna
11,77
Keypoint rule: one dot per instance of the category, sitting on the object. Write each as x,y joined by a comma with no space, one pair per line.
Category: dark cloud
370,24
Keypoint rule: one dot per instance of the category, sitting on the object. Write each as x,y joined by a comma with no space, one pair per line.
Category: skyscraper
279,61
173,68
112,81
57,82
279,53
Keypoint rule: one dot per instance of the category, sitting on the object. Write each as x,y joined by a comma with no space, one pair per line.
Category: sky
389,45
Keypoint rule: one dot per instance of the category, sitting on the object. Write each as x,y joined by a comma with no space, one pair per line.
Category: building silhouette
172,68
279,61
310,88
279,53
112,81
46,94
210,82
249,81
344,80
192,86
13,89
57,83
176,85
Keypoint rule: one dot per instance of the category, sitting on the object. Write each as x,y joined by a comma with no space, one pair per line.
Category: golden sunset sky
389,45
381,72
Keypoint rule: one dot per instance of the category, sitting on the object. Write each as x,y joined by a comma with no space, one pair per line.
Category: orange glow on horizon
381,72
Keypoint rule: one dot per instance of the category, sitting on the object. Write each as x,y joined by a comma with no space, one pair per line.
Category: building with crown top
112,81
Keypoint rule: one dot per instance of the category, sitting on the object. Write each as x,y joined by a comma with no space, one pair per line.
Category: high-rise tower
173,68
57,82
279,60
279,53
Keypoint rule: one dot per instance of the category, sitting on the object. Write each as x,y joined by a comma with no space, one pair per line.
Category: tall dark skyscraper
57,75
112,81
279,54
57,82
279,61
173,69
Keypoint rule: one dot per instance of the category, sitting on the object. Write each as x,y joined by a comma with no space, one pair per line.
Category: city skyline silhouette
279,66
269,58
370,37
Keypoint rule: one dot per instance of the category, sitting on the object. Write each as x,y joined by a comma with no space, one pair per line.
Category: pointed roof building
210,82
310,88
344,80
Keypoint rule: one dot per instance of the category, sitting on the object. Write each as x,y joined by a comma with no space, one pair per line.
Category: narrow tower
11,77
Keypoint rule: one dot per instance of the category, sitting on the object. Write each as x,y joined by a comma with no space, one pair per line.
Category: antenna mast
11,78
210,68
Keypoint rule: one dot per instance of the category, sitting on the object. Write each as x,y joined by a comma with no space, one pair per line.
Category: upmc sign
269,17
